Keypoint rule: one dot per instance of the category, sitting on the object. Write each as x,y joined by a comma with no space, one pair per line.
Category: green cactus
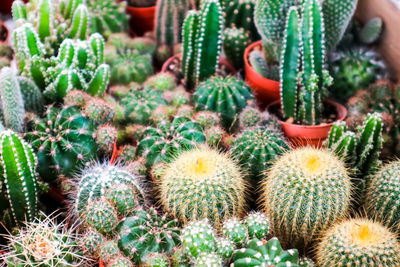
106,135
371,31
156,260
170,16
257,225
139,104
107,17
62,140
101,215
258,63
320,190
235,42
203,183
207,259
235,231
33,97
207,119
109,250
240,14
44,243
162,81
256,148
198,237
90,242
98,110
180,258
127,153
76,98
224,248
120,262
146,232
342,142
119,43
164,142
225,96
365,242
306,262
18,178
12,108
123,198
202,41
258,253
249,117
214,136
96,180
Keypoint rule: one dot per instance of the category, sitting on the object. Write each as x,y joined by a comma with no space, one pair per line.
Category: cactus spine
235,42
202,42
18,176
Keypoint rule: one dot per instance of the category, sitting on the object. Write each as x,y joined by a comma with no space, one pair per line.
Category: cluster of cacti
235,42
202,42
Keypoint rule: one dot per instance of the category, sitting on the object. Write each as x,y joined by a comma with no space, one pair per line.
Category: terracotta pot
222,60
265,90
4,33
141,19
312,135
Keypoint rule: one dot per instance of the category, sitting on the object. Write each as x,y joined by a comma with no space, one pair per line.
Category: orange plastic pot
141,19
309,135
265,90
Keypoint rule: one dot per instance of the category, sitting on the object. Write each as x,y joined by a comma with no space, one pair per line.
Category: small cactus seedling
98,110
207,119
168,139
235,231
101,215
207,259
315,185
120,262
90,242
106,135
249,117
257,225
224,248
123,198
156,260
198,237
109,250
33,97
365,243
225,96
203,183
162,81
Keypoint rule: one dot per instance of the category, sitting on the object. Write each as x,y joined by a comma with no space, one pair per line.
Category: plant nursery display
229,133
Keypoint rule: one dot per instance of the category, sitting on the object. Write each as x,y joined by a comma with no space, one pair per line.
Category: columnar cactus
170,16
364,242
12,108
226,96
202,42
315,185
63,140
18,177
146,232
240,14
235,42
107,16
33,97
256,148
203,183
164,142
259,253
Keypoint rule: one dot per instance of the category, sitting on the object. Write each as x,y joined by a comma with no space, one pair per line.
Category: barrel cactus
365,243
63,141
305,192
156,260
257,225
226,96
240,14
101,216
163,142
209,260
198,237
235,42
203,183
235,231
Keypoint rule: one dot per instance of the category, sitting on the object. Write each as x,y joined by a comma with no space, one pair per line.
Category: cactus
162,81
120,262
120,43
123,198
257,225
107,17
354,69
365,242
76,98
235,231
224,248
306,262
240,14
18,177
258,253
33,97
207,119
170,16
208,260
101,215
98,110
109,250
256,148
140,104
226,96
156,260
202,41
164,142
198,237
62,140
258,63
235,42
106,135
90,242
96,180
214,136
203,183
146,232
44,243
371,31
320,193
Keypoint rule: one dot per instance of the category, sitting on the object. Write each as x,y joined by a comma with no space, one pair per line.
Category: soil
329,114
3,32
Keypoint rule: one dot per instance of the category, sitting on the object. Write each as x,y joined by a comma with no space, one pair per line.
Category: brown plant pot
141,19
309,135
265,90
4,33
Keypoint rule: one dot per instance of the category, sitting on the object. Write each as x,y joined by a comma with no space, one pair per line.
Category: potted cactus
142,13
306,115
262,58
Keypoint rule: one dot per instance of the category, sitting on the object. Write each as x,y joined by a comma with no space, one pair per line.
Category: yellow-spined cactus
203,183
304,193
358,242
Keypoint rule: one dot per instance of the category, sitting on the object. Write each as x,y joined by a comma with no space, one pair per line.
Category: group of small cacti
181,167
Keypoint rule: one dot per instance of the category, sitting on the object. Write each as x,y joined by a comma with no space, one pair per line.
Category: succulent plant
320,190
121,42
202,41
98,110
256,148
259,253
214,136
90,242
109,250
76,98
62,140
156,260
162,81
18,178
44,243
101,216
206,259
147,232
365,242
106,136
107,16
257,225
225,96
207,119
120,262
240,14
203,183
164,142
224,248
235,42
235,231
32,96
198,237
